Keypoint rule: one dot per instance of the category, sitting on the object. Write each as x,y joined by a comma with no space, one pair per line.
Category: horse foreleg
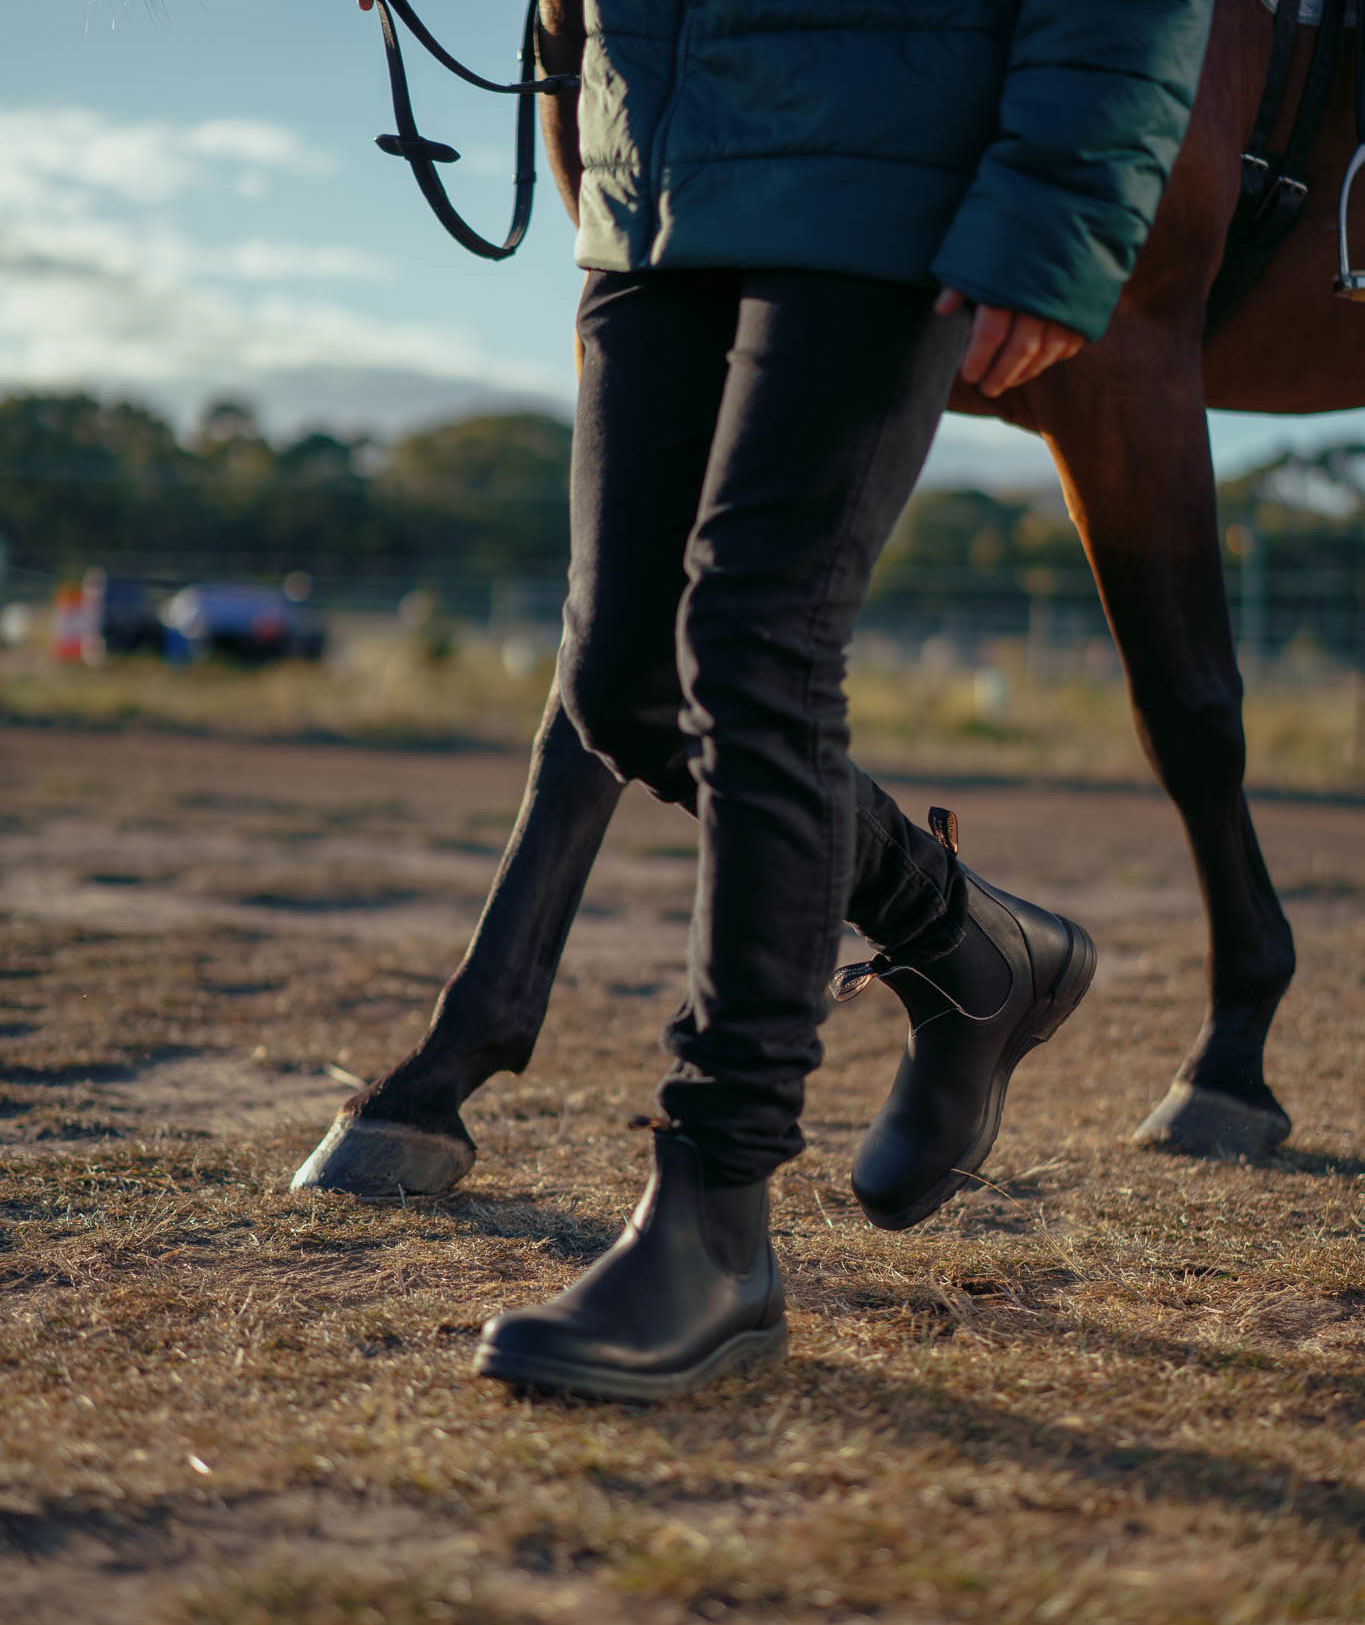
404,1132
1131,443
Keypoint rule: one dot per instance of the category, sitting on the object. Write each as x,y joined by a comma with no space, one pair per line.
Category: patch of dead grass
1108,1387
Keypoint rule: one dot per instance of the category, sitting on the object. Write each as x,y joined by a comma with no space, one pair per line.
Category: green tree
488,494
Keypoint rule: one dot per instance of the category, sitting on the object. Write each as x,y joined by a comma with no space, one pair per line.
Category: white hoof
379,1159
1205,1123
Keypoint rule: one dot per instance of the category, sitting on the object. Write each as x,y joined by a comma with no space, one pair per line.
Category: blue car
243,622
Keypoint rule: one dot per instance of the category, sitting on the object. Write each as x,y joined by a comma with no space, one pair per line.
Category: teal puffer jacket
1013,149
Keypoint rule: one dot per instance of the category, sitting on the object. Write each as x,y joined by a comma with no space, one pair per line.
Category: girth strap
1360,75
1274,189
423,155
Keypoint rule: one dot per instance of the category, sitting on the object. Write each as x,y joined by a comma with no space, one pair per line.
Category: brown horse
1125,421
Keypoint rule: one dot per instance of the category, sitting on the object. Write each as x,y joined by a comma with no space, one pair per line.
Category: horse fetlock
418,1095
474,1034
1228,1059
1248,982
424,1091
1245,1002
449,1056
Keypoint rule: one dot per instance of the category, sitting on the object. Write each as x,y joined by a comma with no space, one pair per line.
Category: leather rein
1274,188
422,155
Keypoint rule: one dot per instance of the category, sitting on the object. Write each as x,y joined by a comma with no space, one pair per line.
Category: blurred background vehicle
119,617
243,621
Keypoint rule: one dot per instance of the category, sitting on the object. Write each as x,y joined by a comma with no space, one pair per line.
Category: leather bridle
422,155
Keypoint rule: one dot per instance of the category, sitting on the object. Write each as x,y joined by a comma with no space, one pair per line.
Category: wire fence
1280,617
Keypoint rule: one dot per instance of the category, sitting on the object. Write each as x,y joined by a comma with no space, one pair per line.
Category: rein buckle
416,146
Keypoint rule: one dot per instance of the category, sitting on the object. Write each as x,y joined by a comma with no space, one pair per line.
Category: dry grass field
1110,1386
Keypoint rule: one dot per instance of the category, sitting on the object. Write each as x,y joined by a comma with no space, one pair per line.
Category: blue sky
191,204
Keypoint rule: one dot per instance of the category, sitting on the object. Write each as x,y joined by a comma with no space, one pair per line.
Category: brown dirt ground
1112,1386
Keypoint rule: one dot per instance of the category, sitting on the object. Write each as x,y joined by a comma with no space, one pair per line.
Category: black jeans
743,445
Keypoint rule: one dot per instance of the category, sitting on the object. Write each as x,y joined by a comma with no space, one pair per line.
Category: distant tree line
88,482
1305,512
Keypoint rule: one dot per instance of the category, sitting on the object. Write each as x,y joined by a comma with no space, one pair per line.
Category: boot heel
749,1348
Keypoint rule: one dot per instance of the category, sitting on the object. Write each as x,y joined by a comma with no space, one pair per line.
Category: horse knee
630,722
1196,743
599,713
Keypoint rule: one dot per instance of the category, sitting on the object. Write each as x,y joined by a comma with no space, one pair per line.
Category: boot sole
1037,1026
604,1382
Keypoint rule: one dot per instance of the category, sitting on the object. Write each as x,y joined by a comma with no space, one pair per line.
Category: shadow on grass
103,1071
341,902
558,1232
906,1414
986,1433
1289,1160
1320,1164
48,1531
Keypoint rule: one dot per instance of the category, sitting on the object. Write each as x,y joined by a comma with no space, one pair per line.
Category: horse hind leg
403,1133
1131,443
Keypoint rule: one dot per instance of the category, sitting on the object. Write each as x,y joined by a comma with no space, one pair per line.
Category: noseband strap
422,155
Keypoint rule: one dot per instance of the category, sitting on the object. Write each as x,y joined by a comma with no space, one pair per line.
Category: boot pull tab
943,827
660,1125
850,980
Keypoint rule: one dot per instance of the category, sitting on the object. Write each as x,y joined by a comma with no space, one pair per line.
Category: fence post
1041,585
1356,758
1249,546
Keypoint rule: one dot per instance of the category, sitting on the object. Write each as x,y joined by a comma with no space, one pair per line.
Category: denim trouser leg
788,415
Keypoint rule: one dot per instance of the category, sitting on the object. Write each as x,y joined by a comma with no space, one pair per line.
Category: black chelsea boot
1015,977
690,1290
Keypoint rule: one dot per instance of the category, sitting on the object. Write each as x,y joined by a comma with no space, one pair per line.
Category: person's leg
834,391
655,349
825,419
654,363
832,396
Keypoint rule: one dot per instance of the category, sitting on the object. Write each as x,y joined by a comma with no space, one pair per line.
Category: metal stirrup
1348,284
1351,284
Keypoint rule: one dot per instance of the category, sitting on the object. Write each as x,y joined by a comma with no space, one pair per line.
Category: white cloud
155,252
86,248
252,141
105,315
103,283
256,260
51,153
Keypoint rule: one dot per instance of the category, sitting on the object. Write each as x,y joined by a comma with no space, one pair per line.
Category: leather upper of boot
965,1010
671,1287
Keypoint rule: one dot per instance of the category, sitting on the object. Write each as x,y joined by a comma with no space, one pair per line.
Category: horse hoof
1206,1123
379,1159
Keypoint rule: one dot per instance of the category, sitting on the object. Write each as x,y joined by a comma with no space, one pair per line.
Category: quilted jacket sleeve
1096,100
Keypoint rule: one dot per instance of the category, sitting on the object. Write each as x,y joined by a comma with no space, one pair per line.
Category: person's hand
1007,347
